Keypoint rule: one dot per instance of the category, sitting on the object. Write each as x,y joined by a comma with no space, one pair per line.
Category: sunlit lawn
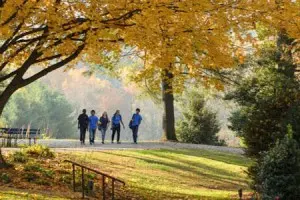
176,174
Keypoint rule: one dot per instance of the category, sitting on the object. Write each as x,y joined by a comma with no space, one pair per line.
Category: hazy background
98,92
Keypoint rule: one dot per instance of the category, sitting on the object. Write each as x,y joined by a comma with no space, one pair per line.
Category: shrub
39,151
19,156
278,172
31,176
5,178
35,167
199,125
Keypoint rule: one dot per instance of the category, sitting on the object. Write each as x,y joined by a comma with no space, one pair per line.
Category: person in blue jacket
116,126
135,123
93,123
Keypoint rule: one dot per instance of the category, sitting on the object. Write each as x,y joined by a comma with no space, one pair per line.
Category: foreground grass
21,195
172,174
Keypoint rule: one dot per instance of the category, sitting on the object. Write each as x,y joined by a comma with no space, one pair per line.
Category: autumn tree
178,40
39,36
184,40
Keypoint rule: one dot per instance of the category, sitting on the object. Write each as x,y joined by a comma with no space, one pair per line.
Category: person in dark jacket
135,123
102,126
83,121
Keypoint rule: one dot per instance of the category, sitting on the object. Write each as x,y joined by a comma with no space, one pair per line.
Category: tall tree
181,40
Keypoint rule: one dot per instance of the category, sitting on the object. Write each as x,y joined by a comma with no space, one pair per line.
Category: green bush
39,151
19,156
5,178
278,172
31,177
32,166
36,167
199,125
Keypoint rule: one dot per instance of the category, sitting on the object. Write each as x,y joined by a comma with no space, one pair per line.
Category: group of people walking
92,123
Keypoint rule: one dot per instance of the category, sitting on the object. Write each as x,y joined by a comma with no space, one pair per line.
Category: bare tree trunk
168,104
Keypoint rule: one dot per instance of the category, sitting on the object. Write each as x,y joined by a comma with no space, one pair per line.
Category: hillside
193,174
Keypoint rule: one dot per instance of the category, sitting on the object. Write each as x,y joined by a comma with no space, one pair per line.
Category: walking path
74,145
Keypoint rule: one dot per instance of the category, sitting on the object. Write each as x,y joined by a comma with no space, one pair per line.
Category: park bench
10,136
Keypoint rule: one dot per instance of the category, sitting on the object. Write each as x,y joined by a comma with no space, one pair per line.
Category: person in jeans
103,123
135,123
83,121
93,121
116,126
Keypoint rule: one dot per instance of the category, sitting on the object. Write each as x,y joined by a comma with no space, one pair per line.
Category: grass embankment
149,174
35,173
173,174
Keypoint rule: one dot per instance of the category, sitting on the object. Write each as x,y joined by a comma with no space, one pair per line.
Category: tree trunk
5,95
168,104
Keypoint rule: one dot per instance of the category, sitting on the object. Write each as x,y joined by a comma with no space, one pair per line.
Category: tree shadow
147,193
230,181
227,158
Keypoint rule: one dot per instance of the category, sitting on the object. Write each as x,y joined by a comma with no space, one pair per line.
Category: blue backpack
130,123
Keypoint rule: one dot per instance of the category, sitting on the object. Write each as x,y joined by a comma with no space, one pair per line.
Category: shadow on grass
227,158
151,194
226,174
175,155
230,181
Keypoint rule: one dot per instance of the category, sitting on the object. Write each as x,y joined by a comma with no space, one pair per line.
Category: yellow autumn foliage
180,36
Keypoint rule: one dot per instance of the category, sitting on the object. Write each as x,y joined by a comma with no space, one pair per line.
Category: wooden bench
10,136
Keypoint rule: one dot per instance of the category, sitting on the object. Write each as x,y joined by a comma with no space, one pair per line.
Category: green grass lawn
172,174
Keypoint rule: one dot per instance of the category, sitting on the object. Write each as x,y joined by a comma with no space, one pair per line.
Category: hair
138,110
84,110
116,112
104,113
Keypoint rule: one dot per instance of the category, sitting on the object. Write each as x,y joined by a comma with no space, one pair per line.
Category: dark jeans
116,128
135,130
82,134
103,132
92,135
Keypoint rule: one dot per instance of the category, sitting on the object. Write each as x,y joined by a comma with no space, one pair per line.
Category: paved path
74,145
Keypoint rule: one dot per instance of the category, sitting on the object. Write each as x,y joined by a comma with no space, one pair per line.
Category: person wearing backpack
135,123
103,123
93,121
116,126
83,121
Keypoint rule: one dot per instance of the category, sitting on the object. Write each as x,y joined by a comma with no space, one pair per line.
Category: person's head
104,114
84,111
93,112
117,112
137,111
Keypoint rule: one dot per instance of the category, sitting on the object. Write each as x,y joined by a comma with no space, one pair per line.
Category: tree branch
48,58
53,67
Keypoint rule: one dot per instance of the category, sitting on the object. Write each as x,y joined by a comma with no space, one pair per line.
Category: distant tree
279,170
199,124
42,108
